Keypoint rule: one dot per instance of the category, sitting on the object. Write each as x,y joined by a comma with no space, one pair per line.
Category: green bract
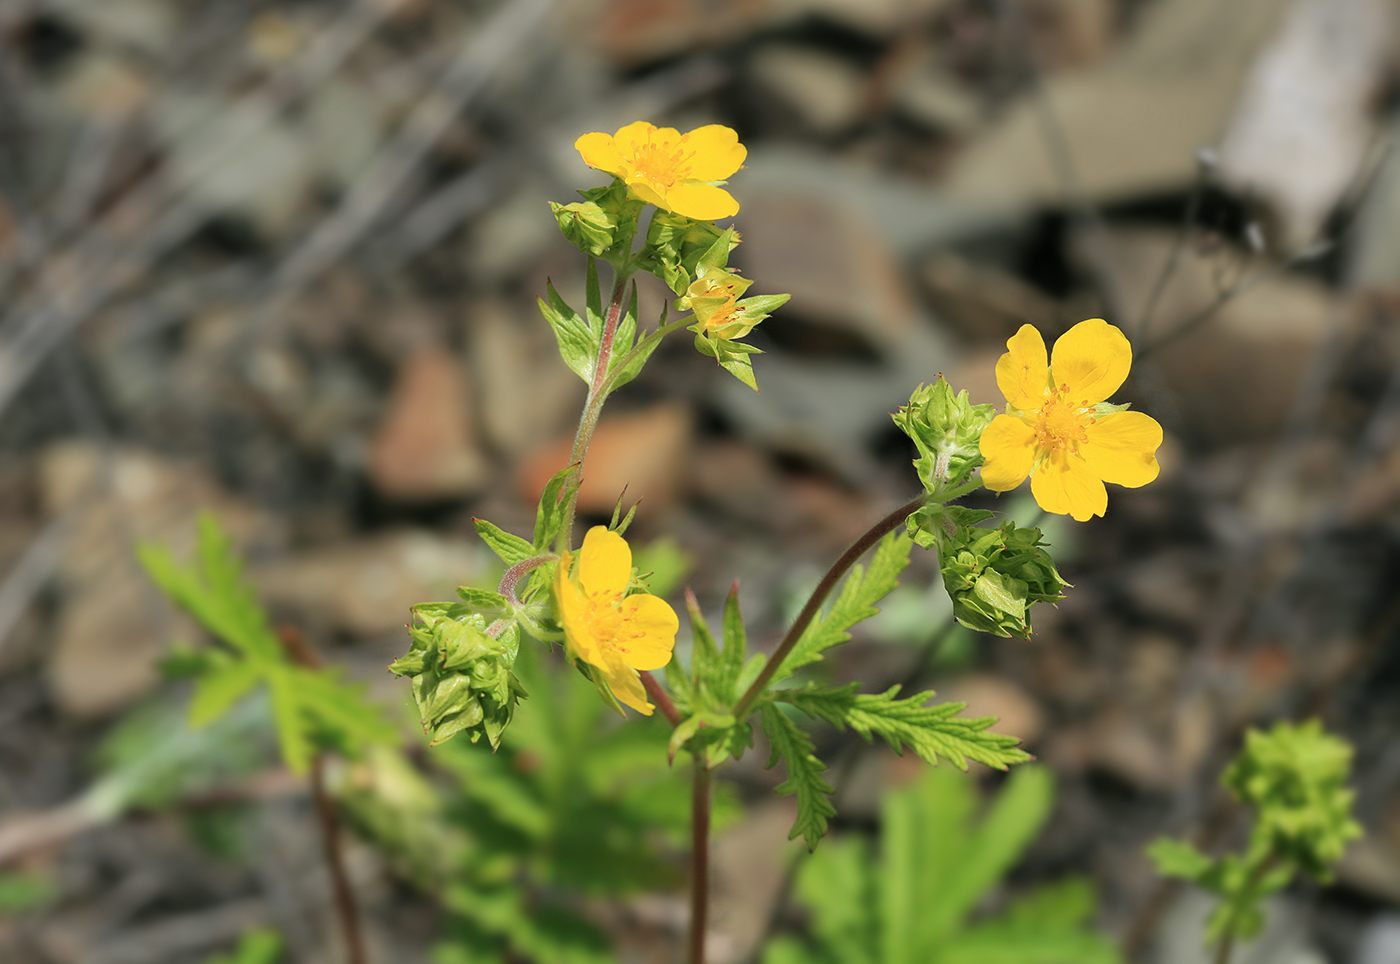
993,576
946,429
462,679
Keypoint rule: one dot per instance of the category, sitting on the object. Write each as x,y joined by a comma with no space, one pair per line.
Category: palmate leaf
311,709
938,863
930,731
804,772
856,601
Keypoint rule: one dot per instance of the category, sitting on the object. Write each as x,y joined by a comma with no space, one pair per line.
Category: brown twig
347,911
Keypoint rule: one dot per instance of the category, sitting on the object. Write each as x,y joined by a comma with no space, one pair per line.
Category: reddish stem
660,697
838,569
700,794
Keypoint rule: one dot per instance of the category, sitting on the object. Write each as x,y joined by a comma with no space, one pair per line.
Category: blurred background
277,261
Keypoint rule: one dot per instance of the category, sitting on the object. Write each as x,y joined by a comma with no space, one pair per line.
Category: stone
1018,713
644,453
982,302
826,93
527,393
136,495
1235,375
1133,121
364,587
425,448
1304,122
105,646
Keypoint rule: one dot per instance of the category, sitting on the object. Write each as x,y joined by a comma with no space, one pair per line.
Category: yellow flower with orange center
674,171
613,632
1058,428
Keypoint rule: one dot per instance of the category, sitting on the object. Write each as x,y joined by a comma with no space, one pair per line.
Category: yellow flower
618,635
674,171
713,296
1057,428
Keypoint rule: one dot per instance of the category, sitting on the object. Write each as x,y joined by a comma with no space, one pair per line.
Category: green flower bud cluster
602,224
946,429
1295,777
461,672
993,576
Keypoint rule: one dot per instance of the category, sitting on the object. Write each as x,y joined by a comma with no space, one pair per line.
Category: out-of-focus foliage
1294,779
915,901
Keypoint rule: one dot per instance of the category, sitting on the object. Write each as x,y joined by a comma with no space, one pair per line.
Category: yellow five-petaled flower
672,170
1057,428
616,634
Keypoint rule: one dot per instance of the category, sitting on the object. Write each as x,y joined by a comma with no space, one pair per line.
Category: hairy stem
592,408
838,569
700,794
660,697
346,910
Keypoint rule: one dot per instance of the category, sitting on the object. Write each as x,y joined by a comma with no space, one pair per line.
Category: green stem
592,408
838,569
700,793
1256,876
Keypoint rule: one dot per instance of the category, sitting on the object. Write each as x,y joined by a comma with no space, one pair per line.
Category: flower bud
946,429
462,679
994,576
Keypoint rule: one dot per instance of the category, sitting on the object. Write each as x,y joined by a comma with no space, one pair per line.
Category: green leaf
257,946
286,714
214,593
930,731
937,864
735,649
578,342
804,772
856,601
549,518
219,688
510,548
704,654
342,714
1177,858
628,360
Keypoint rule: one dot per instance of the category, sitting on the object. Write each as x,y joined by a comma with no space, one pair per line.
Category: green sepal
733,357
993,576
676,245
947,431
461,676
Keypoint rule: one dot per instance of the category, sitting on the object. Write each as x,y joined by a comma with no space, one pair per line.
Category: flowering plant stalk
1058,429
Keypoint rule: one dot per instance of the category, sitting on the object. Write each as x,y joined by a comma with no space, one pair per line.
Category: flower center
1061,423
603,618
661,165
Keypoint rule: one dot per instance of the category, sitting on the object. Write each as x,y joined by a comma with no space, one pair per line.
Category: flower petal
650,635
628,139
572,606
1122,448
605,562
700,201
626,685
1023,371
1066,484
1093,359
1008,445
599,151
717,150
642,188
